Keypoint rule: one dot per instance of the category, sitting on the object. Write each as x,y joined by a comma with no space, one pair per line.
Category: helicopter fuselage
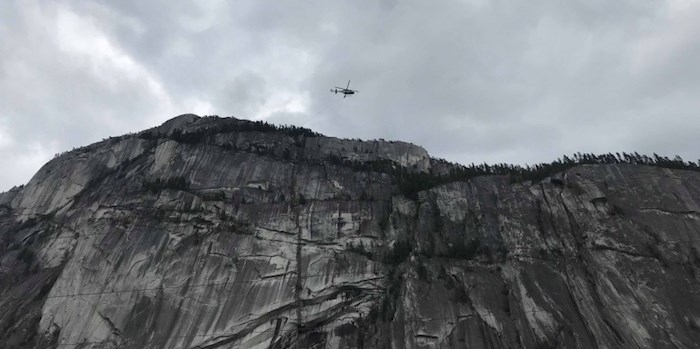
344,90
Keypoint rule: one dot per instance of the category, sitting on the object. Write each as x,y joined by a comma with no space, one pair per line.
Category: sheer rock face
271,245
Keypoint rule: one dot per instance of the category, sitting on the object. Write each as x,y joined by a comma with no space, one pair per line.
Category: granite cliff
221,233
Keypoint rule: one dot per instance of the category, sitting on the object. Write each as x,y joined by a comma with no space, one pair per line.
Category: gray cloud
472,81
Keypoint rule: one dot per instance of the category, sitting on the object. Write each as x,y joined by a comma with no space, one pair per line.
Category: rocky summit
210,232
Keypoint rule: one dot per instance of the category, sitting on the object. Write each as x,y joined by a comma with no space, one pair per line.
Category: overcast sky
471,81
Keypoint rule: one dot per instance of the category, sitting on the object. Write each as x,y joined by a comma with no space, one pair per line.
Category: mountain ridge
184,236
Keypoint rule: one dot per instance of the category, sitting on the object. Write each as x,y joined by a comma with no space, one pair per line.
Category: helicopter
345,91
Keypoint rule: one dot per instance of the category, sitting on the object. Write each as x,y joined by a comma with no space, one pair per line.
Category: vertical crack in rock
115,331
273,340
296,212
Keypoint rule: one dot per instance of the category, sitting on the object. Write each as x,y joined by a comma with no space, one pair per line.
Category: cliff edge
223,233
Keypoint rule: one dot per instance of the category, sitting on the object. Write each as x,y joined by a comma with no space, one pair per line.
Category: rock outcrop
221,233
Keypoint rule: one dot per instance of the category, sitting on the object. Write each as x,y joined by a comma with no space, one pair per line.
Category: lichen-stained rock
221,233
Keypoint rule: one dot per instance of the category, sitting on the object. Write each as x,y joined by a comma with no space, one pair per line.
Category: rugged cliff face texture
186,238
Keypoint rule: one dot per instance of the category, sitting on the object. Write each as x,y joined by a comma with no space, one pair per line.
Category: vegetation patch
463,249
390,302
401,250
409,182
229,126
360,249
175,183
421,270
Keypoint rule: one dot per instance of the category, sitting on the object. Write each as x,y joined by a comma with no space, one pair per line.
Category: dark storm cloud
471,81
